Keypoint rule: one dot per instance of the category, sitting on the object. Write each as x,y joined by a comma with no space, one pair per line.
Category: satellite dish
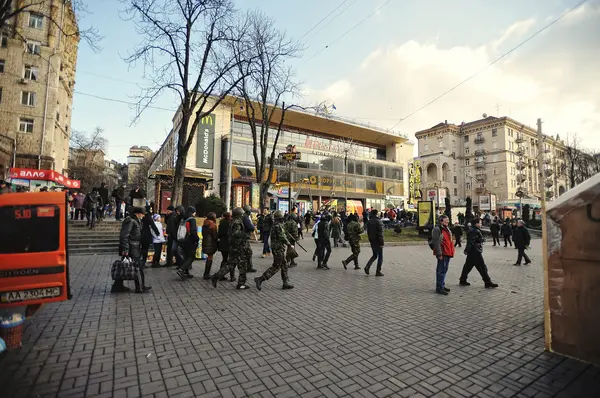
484,115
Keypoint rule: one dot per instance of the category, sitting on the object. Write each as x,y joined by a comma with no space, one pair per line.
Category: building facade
339,159
137,161
491,156
37,78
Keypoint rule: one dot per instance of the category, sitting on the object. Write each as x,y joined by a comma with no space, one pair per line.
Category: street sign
290,156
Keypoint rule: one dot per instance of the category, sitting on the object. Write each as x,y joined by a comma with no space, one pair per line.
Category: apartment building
138,162
38,53
493,155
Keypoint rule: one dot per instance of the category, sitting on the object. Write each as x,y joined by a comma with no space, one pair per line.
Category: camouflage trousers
248,256
355,247
279,262
236,259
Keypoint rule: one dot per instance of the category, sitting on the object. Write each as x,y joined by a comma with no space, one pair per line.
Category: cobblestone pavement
338,333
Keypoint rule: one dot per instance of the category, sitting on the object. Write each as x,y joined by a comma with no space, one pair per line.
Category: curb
387,244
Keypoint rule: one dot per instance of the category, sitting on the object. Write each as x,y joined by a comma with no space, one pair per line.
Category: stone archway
446,172
561,190
431,172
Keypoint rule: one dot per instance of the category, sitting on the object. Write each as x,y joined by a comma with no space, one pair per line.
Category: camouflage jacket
354,231
291,227
238,238
279,238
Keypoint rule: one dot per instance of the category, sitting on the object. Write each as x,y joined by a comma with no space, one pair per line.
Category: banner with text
205,148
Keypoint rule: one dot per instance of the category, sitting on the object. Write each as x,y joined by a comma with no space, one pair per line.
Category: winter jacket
375,231
457,231
78,201
223,235
521,237
103,194
474,241
93,201
441,242
130,237
506,229
172,224
158,238
148,229
323,231
267,223
119,194
210,237
495,229
336,228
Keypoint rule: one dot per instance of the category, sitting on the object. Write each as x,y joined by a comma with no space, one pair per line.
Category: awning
188,173
43,175
243,174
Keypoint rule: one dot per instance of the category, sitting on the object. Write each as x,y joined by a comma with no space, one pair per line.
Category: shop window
381,154
371,185
360,169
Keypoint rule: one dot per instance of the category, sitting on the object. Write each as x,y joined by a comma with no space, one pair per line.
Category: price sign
290,156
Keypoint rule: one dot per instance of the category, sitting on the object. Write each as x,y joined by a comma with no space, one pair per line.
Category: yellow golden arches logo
207,120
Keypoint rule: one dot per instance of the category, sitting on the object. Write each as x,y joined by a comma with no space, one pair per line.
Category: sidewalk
337,334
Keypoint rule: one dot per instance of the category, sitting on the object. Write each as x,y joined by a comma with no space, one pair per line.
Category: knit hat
137,210
156,217
171,208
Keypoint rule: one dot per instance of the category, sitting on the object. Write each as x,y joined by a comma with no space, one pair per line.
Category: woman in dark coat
147,227
210,241
223,235
189,244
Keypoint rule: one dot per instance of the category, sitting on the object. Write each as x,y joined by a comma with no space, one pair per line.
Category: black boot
378,273
490,284
259,281
356,265
287,285
214,280
250,268
207,268
463,282
368,266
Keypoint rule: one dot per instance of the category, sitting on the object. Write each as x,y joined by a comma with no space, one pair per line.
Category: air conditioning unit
23,81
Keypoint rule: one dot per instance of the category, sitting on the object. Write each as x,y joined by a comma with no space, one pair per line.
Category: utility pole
544,236
346,181
290,188
229,165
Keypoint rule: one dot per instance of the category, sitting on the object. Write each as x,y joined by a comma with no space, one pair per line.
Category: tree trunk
178,178
264,195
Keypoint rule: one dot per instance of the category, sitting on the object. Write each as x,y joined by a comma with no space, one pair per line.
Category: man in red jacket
443,249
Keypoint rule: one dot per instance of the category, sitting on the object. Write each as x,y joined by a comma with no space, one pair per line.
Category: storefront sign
487,202
238,196
255,196
44,175
414,181
437,195
206,142
290,156
333,149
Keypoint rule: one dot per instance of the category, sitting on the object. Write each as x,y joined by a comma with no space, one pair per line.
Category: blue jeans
377,255
266,247
441,271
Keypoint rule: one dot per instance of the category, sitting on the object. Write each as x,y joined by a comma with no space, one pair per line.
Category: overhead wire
330,21
492,63
322,19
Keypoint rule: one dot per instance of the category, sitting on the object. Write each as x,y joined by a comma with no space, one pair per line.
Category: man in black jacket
119,195
474,252
265,231
375,234
130,246
507,232
495,231
457,232
522,239
92,203
172,225
324,239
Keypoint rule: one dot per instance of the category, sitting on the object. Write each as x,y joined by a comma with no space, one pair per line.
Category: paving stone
338,333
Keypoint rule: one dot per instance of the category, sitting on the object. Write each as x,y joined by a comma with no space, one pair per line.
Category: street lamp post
346,180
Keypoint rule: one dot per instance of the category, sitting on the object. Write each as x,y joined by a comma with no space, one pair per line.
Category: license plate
28,295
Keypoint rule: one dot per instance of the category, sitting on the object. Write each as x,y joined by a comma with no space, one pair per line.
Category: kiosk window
29,229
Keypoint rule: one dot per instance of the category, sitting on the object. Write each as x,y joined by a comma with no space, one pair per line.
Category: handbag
291,252
125,269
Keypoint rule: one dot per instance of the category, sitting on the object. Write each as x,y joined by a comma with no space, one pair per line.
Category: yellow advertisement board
426,211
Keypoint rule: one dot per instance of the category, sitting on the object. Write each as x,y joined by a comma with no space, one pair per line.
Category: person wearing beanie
130,246
171,222
189,243
157,240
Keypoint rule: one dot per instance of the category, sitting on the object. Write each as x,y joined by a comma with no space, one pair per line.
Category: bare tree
140,174
266,80
573,156
11,9
185,50
86,160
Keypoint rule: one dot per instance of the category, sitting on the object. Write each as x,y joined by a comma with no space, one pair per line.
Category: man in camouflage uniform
238,248
353,236
249,228
279,242
291,227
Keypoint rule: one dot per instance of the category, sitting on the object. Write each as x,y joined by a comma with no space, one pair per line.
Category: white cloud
554,76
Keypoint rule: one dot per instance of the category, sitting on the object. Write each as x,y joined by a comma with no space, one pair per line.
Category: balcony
549,195
520,151
521,192
480,164
520,139
480,152
548,172
481,177
479,190
548,161
547,150
549,182
521,177
479,140
521,165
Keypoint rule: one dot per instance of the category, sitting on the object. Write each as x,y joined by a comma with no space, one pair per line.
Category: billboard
484,203
205,139
426,213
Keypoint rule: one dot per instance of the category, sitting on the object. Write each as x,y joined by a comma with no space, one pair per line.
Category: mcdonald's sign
205,153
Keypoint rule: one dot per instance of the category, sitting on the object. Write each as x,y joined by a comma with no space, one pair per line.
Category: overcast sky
392,64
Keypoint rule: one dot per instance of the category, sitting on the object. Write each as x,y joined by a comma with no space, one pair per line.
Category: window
494,132
495,158
495,171
28,98
453,144
25,125
468,185
34,47
0,95
466,138
426,147
440,143
455,180
454,167
2,66
57,116
3,40
467,151
31,72
36,20
467,162
496,183
494,145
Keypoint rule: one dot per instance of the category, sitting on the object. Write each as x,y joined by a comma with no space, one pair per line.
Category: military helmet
247,209
238,212
278,215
